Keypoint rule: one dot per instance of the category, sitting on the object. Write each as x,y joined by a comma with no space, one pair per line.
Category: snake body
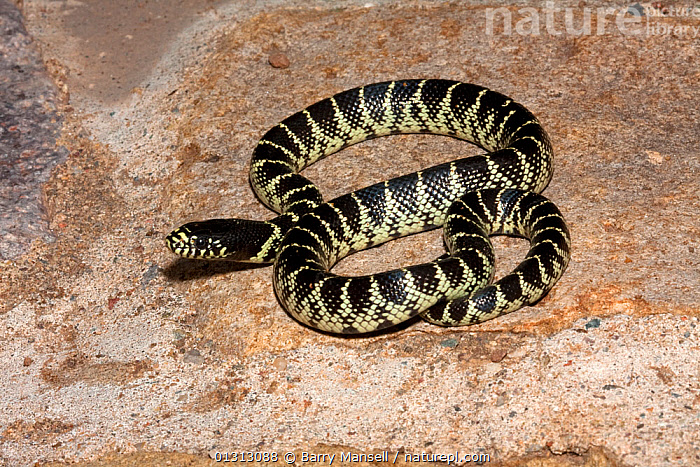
474,197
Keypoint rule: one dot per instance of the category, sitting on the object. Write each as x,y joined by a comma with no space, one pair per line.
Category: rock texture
116,353
29,125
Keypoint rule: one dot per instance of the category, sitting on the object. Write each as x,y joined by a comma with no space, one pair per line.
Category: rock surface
29,125
116,353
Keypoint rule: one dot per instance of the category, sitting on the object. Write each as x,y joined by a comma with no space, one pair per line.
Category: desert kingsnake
495,193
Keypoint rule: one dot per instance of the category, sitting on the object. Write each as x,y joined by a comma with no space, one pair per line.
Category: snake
472,198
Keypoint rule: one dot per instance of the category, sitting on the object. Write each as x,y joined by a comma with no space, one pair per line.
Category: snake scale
474,197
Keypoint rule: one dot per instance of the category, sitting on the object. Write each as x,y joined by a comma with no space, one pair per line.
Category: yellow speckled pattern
475,197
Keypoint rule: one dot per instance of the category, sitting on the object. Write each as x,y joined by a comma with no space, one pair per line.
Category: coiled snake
474,197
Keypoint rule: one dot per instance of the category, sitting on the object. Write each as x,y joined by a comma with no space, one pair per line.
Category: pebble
278,60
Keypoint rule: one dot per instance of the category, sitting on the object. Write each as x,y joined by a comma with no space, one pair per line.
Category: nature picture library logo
638,19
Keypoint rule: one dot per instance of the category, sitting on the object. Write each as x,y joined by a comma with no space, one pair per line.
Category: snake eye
200,243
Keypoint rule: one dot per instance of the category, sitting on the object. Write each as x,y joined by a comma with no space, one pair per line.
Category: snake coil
474,197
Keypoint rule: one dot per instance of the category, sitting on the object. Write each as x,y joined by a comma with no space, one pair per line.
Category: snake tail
508,212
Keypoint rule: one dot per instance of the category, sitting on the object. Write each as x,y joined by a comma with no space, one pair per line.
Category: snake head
229,239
